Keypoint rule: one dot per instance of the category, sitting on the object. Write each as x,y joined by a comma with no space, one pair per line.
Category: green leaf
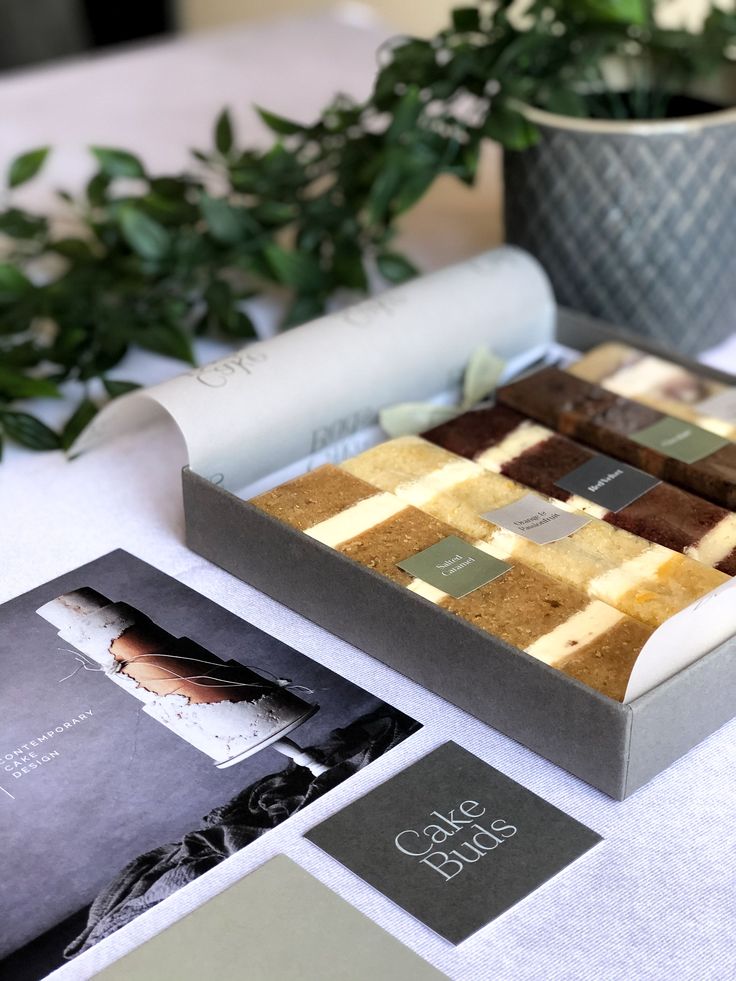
306,307
466,19
15,385
298,270
21,224
394,267
26,166
224,133
118,163
115,388
228,223
510,128
143,234
238,324
166,339
97,188
274,213
219,299
566,103
72,248
406,113
412,188
13,283
28,431
384,187
347,267
410,418
618,11
481,376
279,124
79,420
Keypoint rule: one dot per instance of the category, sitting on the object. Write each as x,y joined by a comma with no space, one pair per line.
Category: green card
454,566
679,439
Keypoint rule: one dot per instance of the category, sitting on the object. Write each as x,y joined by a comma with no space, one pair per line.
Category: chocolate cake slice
506,442
586,639
662,384
615,425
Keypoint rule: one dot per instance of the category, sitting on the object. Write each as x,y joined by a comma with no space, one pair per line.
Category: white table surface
656,900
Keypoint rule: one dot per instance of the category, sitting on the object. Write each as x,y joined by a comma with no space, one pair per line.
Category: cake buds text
459,830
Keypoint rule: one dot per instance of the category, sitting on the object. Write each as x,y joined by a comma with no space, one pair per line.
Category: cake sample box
614,746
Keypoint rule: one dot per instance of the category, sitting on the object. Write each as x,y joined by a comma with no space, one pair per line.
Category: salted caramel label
607,482
454,566
681,440
537,520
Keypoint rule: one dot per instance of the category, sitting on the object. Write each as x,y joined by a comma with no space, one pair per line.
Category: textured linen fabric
655,901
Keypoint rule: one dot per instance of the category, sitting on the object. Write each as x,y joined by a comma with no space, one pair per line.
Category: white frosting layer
226,729
95,633
576,503
444,478
612,585
582,628
356,520
501,546
716,544
427,590
521,439
644,375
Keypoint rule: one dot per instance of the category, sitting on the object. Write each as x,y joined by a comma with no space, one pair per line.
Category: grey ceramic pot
635,222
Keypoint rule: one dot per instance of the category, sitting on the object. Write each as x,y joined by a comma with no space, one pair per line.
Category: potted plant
620,176
620,150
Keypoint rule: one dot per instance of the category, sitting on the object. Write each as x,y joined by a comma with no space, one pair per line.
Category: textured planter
635,222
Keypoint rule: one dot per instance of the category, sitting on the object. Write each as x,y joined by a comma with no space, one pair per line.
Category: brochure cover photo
147,735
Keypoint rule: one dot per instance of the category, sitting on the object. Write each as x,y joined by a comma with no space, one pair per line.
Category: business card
277,924
681,440
453,841
607,482
454,566
537,520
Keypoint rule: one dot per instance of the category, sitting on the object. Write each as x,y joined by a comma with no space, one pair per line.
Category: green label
454,566
681,440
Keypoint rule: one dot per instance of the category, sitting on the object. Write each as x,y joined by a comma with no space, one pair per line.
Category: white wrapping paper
291,396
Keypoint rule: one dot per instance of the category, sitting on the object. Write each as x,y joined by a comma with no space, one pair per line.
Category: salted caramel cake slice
654,381
507,442
627,430
643,580
556,623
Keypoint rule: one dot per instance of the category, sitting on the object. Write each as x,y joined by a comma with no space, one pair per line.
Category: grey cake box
612,746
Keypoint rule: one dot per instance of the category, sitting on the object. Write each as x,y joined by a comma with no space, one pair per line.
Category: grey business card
277,924
453,841
608,482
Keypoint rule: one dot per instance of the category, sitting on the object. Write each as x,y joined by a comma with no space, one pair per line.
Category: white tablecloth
656,900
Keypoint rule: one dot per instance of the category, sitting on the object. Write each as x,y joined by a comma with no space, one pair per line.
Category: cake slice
654,381
643,580
613,424
556,623
506,442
